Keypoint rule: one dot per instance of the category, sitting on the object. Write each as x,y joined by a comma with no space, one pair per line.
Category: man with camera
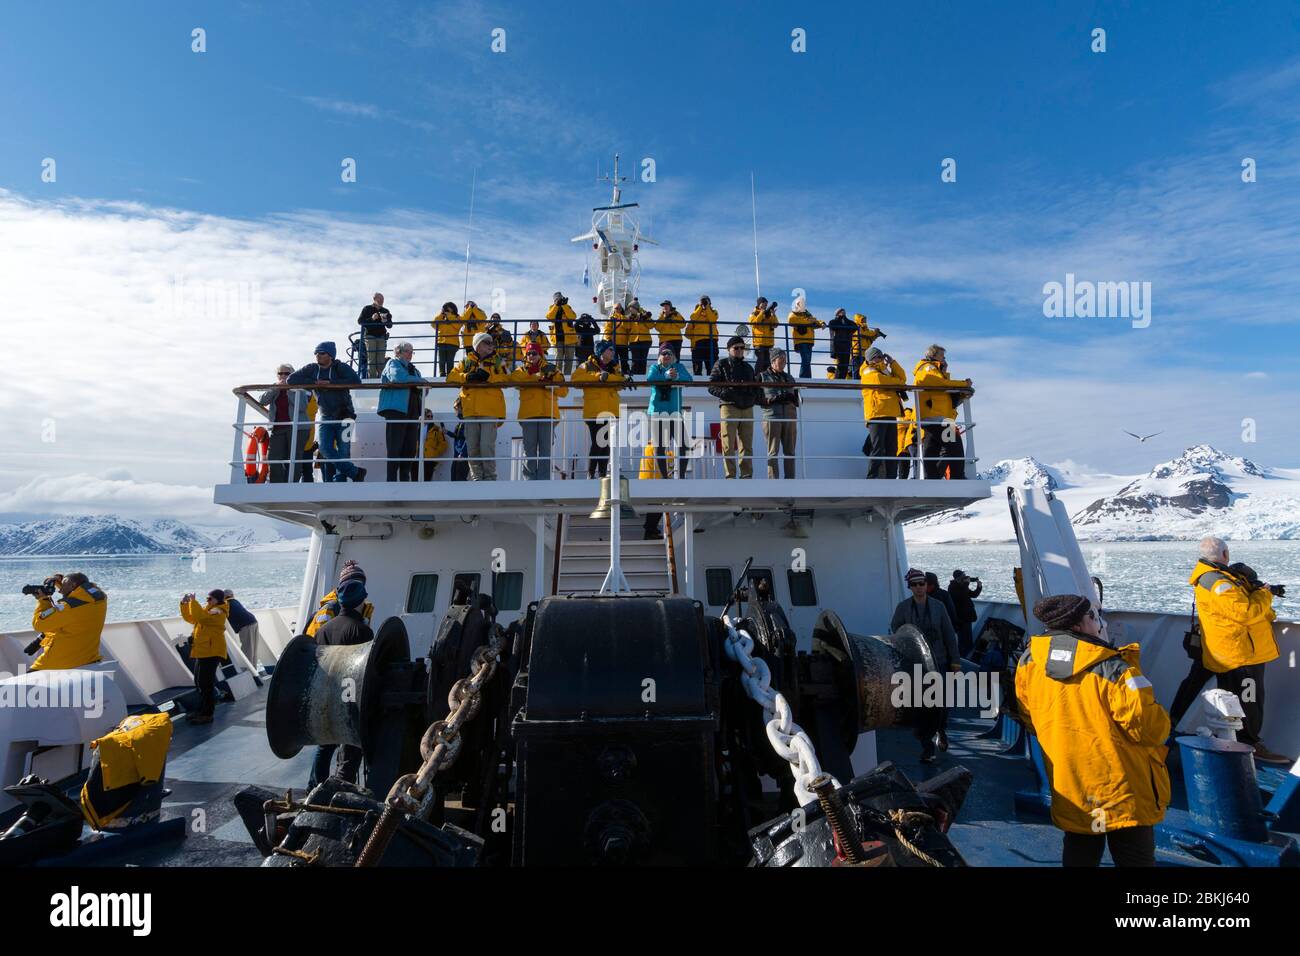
561,317
1231,640
964,590
375,321
70,626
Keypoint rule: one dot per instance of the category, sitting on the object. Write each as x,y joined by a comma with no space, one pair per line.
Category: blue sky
1116,166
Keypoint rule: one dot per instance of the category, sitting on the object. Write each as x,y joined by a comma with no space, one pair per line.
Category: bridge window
464,585
803,591
508,590
763,577
422,594
717,582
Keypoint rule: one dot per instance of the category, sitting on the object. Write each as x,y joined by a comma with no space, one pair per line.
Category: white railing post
969,445
236,459
614,580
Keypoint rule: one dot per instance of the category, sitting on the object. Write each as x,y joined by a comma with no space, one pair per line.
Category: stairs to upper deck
584,556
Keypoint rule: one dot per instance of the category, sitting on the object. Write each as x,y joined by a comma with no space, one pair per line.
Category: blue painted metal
1284,808
1222,795
1039,801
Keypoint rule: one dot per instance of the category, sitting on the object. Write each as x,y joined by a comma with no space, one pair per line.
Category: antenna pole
753,206
473,186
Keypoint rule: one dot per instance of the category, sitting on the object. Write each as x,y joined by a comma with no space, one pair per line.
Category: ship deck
210,763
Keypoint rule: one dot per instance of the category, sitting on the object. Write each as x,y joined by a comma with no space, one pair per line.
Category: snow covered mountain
1202,491
112,534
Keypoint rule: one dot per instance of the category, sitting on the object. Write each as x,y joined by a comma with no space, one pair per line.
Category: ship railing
821,362
650,445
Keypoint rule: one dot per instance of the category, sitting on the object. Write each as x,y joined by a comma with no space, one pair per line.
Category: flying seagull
1141,437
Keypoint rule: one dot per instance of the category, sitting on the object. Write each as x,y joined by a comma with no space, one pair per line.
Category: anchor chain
413,793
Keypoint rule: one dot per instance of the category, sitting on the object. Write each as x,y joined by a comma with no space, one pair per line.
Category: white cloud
77,494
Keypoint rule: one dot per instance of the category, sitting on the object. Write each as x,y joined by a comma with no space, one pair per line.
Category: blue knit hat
602,345
328,348
352,594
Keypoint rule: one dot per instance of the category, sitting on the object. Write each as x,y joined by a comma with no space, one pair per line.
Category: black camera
38,590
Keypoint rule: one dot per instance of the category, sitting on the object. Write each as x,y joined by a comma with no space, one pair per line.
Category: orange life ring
257,458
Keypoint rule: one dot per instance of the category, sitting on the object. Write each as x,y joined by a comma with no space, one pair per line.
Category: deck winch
604,730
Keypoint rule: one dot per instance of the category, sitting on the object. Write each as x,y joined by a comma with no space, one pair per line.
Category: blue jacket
239,615
666,401
398,399
334,404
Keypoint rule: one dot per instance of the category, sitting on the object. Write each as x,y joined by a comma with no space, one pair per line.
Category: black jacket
963,599
842,330
782,391
347,627
731,369
944,598
586,330
375,322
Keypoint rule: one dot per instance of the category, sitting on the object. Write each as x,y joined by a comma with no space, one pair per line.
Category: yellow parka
446,326
1101,731
670,326
598,400
473,322
133,752
1236,620
932,405
536,338
209,628
763,326
70,629
536,402
618,327
329,605
564,316
481,401
865,335
435,444
907,433
640,327
703,324
882,402
803,327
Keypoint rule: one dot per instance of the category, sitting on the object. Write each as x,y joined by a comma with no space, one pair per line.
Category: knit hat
735,340
914,576
534,349
351,571
666,349
481,338
1062,611
776,354
352,594
931,578
602,346
328,348
874,354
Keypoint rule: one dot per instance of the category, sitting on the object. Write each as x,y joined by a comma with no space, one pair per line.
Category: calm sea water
1140,575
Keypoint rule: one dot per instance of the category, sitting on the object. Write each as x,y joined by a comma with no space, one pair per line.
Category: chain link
787,738
413,793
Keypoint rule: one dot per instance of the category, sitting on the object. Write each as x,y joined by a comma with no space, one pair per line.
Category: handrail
801,384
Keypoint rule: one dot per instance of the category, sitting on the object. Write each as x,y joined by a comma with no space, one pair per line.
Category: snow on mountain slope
1202,491
112,534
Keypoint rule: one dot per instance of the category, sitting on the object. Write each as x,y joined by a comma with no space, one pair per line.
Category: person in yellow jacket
482,407
330,606
937,412
640,334
762,326
882,407
561,317
535,336
599,402
435,445
70,626
1234,616
906,441
864,338
474,321
538,409
618,332
446,328
702,332
207,647
803,332
669,325
1102,735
